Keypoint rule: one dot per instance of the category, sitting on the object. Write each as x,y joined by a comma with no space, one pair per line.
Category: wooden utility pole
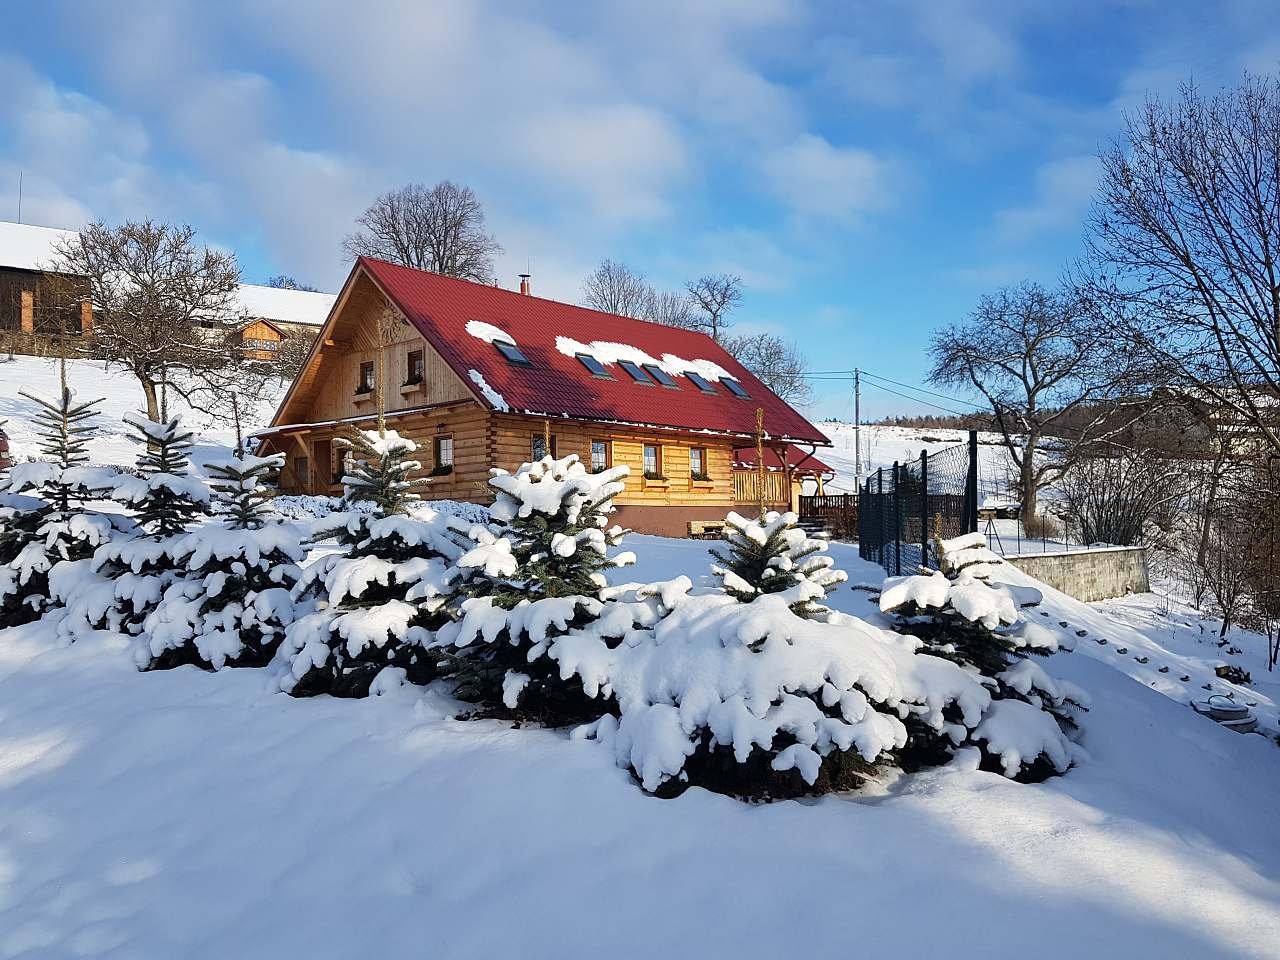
760,469
857,426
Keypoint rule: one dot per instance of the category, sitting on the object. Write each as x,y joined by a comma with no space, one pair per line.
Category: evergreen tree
772,555
131,575
377,601
234,601
36,533
169,499
960,615
537,574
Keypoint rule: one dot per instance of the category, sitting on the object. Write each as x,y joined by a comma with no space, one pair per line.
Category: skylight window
513,353
594,366
660,375
736,389
700,382
638,375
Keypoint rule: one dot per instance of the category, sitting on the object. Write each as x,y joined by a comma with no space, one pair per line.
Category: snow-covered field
114,443
188,814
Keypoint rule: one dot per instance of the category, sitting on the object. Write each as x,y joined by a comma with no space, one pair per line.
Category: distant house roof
745,458
583,364
27,247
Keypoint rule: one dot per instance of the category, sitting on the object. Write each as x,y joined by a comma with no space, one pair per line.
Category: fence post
897,519
971,486
924,508
880,511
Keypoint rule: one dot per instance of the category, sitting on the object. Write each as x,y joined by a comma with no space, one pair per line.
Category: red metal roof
797,459
557,384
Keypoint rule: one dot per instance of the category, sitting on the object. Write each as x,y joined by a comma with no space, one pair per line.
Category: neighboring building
31,316
482,377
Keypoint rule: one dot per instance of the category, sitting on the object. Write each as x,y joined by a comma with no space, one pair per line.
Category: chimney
524,283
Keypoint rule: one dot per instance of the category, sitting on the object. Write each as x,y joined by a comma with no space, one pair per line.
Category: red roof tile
799,460
557,384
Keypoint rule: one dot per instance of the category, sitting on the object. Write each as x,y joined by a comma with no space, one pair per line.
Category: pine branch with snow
963,615
537,572
235,599
43,522
772,555
165,497
378,601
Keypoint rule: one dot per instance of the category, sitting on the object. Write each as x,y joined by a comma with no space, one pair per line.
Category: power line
850,374
904,396
932,393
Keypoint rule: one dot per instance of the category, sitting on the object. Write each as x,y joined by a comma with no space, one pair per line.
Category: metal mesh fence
903,508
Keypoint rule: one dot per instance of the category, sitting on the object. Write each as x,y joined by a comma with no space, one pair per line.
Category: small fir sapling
772,555
961,615
132,574
233,604
537,574
39,532
378,601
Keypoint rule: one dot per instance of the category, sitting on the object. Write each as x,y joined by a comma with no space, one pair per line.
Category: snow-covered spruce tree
774,554
962,615
234,601
130,575
378,600
52,527
537,574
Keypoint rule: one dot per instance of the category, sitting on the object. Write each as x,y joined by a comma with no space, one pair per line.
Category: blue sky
869,169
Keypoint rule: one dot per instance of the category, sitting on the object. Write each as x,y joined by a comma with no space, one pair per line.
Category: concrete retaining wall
1089,574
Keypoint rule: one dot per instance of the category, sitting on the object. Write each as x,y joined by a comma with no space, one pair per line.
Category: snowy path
194,815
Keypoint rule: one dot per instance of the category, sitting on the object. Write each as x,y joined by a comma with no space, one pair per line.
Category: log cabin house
483,377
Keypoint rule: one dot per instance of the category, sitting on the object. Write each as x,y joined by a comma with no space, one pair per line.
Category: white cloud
1061,194
825,182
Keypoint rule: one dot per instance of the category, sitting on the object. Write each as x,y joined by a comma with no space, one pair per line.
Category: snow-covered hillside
114,443
882,446
198,815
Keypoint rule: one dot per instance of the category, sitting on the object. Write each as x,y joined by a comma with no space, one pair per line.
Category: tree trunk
1206,519
1028,481
153,400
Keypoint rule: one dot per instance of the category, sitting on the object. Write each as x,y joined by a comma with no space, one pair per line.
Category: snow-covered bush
774,554
43,521
536,573
234,601
377,601
127,576
962,615
754,700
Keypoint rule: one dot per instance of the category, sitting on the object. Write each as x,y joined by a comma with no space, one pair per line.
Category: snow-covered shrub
962,615
127,576
774,554
536,573
43,521
377,601
754,700
234,601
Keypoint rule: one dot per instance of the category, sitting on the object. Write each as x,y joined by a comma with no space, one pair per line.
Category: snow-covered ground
197,815
120,392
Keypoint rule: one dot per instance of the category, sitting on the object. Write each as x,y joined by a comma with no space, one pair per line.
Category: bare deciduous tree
614,287
438,228
671,309
1185,247
715,295
283,281
1032,354
1115,498
162,304
777,363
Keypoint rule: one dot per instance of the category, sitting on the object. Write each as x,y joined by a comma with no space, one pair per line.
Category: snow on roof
490,394
24,246
609,353
285,306
489,333
27,247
